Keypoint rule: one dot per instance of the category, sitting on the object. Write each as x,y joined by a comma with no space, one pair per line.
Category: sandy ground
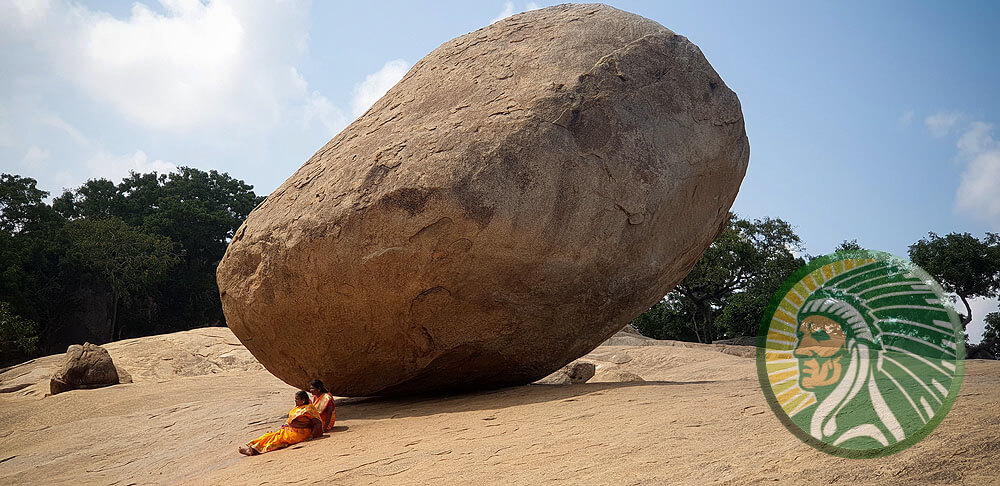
699,417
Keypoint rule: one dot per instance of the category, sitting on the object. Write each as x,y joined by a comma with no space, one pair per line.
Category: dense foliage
728,291
729,288
107,261
991,335
963,264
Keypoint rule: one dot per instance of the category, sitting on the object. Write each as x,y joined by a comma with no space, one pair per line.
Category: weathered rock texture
571,374
522,193
617,376
87,366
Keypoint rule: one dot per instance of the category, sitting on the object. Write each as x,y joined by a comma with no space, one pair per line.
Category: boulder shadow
368,408
300,445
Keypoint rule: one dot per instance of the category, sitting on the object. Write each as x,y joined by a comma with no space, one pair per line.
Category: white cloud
117,167
28,13
980,307
35,156
977,193
905,118
54,121
508,10
6,135
179,78
940,124
224,64
62,179
319,109
376,84
7,138
214,80
976,139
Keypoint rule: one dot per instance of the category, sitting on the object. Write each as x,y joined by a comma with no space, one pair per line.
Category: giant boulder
521,194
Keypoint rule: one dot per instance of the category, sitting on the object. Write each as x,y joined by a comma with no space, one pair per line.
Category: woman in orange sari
323,401
304,423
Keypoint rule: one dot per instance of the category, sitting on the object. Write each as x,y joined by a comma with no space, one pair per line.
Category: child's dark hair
302,395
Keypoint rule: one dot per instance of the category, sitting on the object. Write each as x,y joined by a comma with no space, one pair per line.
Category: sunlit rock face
519,196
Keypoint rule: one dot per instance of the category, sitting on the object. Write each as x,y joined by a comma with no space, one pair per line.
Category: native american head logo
860,354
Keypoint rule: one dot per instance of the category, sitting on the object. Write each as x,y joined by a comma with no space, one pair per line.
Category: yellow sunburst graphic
782,366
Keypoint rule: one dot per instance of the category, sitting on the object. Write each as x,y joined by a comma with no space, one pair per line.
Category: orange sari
286,435
324,404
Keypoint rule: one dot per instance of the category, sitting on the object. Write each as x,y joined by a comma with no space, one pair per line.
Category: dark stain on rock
473,202
590,131
375,176
515,170
409,199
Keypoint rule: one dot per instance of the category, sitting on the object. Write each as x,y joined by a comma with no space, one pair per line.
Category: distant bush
108,261
728,290
18,336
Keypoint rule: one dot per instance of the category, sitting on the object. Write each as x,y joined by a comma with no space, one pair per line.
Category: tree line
728,291
109,261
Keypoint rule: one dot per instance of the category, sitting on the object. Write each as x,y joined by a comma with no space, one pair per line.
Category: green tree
96,198
22,206
743,311
964,265
200,211
851,245
775,262
142,253
31,245
733,280
128,260
667,319
18,336
991,334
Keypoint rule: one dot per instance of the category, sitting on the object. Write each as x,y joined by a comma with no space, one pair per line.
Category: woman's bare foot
246,451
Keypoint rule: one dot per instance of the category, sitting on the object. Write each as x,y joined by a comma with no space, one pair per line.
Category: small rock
618,376
123,376
87,366
573,373
610,357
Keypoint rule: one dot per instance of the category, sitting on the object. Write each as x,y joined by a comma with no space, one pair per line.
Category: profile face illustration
860,354
820,351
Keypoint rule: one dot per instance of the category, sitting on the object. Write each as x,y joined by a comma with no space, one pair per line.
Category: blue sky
867,120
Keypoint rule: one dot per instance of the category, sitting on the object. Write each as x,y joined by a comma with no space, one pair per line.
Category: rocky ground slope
652,414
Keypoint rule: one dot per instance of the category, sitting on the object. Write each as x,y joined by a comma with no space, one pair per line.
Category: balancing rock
521,194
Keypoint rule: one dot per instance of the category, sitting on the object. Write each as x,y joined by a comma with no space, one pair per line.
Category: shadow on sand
389,407
335,429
